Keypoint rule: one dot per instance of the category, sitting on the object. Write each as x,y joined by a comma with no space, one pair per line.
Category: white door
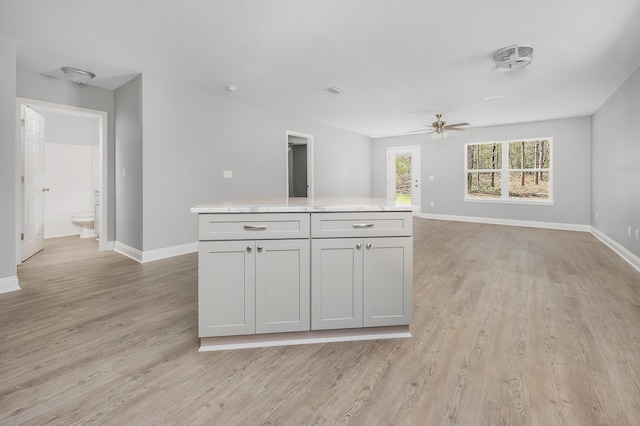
33,178
403,175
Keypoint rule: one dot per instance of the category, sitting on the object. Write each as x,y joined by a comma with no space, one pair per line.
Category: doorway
404,176
299,165
68,123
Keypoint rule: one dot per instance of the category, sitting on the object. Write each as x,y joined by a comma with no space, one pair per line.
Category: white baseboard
164,253
9,284
130,252
107,245
225,343
153,255
631,258
509,222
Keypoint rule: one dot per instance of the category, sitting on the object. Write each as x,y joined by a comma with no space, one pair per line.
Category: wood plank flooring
512,326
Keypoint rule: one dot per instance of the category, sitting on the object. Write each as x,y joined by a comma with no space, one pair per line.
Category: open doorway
299,165
403,175
73,166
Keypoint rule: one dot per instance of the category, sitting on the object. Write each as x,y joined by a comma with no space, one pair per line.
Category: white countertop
301,205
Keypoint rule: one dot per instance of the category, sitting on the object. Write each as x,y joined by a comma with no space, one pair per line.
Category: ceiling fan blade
457,124
419,131
456,129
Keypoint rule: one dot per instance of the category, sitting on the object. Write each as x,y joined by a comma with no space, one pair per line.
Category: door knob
248,248
368,245
358,245
259,248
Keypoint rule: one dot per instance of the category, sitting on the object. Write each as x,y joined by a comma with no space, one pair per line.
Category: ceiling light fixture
78,75
231,88
513,57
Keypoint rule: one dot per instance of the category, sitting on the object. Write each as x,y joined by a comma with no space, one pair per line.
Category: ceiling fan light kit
513,57
440,129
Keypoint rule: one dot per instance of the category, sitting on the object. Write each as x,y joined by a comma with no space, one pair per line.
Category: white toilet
85,222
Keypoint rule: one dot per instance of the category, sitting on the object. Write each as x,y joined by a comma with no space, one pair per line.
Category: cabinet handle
368,245
248,248
363,225
259,248
255,227
358,245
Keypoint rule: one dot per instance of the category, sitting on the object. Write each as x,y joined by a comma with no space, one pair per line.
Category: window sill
504,201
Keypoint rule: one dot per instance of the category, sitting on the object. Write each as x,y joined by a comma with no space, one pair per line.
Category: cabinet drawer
242,226
365,224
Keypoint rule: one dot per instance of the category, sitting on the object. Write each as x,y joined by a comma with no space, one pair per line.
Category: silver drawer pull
363,225
255,227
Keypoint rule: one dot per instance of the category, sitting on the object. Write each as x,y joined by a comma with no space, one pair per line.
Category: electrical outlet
636,234
124,173
596,215
629,230
227,174
433,204
431,178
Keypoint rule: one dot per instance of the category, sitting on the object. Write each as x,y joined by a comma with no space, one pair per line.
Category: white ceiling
399,62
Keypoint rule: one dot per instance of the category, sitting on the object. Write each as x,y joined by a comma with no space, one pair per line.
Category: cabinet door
282,286
226,288
388,281
336,283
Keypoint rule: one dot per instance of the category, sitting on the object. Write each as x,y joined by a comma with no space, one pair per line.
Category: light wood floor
512,326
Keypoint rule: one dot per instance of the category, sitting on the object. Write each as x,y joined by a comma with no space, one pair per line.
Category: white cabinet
282,286
226,288
361,282
336,283
248,286
388,281
303,274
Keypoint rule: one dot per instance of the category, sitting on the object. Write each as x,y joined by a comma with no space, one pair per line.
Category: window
516,171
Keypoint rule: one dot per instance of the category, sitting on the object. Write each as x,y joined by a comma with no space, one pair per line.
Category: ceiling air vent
335,90
513,57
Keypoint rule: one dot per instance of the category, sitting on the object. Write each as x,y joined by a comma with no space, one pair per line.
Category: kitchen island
295,271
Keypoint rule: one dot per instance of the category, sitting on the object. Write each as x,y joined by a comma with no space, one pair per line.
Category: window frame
504,174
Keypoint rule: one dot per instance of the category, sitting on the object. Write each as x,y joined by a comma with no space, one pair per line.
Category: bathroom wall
70,170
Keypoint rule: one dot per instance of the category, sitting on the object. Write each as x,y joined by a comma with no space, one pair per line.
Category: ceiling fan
440,129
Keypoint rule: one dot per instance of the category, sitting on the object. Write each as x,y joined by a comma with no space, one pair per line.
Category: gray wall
191,136
55,90
128,156
444,160
8,232
615,178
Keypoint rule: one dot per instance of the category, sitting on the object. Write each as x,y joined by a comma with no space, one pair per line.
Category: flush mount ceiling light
78,75
513,57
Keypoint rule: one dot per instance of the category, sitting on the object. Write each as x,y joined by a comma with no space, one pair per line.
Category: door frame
103,179
309,144
416,173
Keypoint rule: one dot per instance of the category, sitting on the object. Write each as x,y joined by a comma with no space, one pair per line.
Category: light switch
431,178
227,174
